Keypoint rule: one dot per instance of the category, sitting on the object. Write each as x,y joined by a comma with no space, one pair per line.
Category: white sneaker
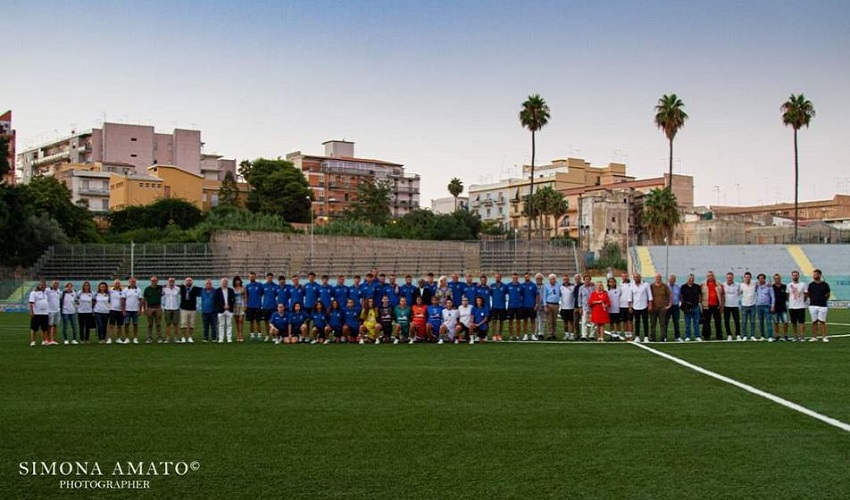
566,337
761,339
534,337
395,341
813,339
752,339
637,340
729,338
687,339
411,341
699,339
267,338
362,342
472,341
191,340
456,341
645,340
679,340
440,341
136,341
770,339
182,340
32,343
276,341
66,342
377,341
738,338
826,339
229,341
313,342
326,342
525,338
109,340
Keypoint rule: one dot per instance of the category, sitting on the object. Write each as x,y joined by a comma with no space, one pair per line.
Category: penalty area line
752,390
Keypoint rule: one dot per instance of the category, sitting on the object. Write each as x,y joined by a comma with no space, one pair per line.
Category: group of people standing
441,310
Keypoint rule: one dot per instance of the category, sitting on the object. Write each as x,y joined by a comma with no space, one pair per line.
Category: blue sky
438,85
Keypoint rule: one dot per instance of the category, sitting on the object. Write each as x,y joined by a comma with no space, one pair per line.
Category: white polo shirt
171,298
133,296
53,305
748,294
641,295
450,318
85,302
69,302
732,294
625,295
568,296
465,315
115,297
40,306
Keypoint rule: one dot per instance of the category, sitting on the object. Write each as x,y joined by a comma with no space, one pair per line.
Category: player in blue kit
336,320
311,293
351,327
298,323
515,296
470,289
499,307
367,290
279,324
283,291
326,292
529,306
354,293
269,302
435,318
456,286
340,291
254,307
296,292
318,324
407,290
480,320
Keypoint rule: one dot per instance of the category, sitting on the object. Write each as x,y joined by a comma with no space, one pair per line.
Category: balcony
501,200
90,191
51,158
488,202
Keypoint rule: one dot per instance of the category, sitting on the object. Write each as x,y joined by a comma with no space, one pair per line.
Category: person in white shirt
797,306
731,306
567,307
54,312
39,308
748,306
132,301
101,312
85,312
464,323
625,298
116,314
614,318
171,308
639,306
225,300
450,319
68,305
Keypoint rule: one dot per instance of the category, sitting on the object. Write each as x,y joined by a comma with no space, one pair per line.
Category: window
104,204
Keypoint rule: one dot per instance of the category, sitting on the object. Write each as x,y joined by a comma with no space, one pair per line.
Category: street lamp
310,201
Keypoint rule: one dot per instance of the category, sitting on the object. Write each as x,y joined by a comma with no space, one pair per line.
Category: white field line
752,390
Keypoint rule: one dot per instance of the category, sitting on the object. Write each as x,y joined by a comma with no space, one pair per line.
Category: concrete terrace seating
721,259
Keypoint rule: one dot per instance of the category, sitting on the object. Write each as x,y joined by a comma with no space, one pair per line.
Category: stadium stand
720,259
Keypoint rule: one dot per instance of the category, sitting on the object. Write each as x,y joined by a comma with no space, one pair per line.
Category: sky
438,85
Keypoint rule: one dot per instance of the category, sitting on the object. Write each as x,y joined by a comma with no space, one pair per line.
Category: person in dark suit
424,291
225,299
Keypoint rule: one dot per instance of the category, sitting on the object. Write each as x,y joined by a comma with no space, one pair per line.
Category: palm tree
797,112
670,116
660,214
455,188
534,115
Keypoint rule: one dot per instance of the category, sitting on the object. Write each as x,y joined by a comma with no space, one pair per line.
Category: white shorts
187,319
818,314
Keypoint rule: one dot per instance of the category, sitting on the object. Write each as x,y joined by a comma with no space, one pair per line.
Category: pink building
122,143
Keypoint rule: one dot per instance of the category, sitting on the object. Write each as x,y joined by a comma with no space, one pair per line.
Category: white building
447,205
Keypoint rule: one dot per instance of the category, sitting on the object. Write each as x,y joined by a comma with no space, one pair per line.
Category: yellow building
166,181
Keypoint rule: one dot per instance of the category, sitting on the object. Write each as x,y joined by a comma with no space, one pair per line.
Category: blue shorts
779,317
131,317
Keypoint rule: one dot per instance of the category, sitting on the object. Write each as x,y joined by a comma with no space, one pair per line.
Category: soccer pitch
519,420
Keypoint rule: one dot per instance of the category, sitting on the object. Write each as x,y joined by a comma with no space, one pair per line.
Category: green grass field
567,420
